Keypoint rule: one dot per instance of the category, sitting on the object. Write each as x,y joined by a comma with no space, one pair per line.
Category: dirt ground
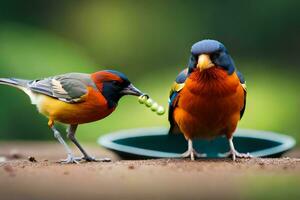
141,179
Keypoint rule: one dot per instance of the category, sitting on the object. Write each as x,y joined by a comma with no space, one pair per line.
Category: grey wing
69,88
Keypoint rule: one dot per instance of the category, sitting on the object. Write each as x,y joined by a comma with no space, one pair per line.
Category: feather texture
209,104
69,88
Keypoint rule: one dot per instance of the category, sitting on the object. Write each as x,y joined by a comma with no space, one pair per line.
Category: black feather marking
244,108
242,81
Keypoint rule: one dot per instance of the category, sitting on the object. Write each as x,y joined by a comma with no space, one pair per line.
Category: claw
235,154
69,160
191,152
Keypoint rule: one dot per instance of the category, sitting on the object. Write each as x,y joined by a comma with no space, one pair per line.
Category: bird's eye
115,82
215,55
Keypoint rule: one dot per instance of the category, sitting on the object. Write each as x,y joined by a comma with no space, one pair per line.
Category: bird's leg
191,152
234,153
70,158
71,135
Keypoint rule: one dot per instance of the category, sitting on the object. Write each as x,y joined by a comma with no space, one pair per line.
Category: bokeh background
150,42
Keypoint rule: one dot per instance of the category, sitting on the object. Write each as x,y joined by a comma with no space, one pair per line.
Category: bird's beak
204,62
131,90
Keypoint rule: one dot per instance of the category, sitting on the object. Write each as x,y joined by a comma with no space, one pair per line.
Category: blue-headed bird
208,98
76,98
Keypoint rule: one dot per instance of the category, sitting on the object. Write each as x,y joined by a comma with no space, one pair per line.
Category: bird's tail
20,84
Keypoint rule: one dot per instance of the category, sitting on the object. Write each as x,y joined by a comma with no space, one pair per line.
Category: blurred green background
150,42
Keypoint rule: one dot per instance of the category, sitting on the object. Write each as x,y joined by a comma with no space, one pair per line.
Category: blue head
210,53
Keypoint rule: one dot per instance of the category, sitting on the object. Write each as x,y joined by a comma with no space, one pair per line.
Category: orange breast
93,108
209,105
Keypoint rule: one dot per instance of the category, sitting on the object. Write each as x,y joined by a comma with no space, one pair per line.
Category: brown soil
43,178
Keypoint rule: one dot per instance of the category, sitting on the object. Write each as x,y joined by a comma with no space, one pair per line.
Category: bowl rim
107,141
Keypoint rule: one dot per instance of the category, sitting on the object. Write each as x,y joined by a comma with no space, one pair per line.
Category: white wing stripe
57,87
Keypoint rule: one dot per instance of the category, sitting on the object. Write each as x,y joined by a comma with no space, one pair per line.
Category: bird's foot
192,153
92,159
235,154
69,160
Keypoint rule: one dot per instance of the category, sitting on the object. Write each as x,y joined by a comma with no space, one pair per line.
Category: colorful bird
208,98
74,99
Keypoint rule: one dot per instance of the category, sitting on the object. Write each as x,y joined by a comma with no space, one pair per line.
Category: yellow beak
204,62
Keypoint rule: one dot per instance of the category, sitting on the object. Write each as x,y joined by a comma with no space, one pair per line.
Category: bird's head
113,85
210,53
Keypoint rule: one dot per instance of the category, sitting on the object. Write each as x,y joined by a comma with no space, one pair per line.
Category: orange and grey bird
76,98
208,98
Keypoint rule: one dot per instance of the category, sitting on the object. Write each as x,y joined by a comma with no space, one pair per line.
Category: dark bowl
148,143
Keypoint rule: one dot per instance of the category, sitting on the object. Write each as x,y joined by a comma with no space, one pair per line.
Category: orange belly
208,108
93,108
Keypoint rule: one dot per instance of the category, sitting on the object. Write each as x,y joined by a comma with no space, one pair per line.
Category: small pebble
32,159
131,167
